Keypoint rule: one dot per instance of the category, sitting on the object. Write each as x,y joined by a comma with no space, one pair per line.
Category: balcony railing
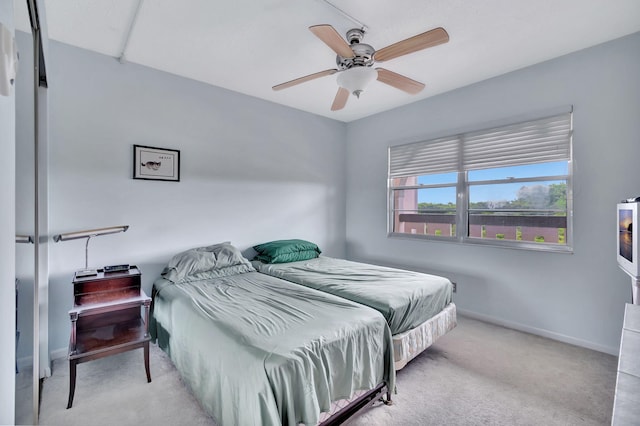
516,227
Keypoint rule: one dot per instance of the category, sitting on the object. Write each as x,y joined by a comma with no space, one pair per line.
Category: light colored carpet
478,374
482,374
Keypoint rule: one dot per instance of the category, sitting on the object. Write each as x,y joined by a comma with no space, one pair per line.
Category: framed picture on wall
156,163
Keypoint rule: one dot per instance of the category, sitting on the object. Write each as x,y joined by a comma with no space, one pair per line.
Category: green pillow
288,257
283,251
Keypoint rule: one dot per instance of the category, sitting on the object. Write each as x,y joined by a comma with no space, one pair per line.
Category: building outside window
508,186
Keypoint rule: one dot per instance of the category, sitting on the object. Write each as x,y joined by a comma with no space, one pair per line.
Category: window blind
536,141
423,158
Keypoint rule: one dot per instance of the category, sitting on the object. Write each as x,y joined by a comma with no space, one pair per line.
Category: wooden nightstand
107,319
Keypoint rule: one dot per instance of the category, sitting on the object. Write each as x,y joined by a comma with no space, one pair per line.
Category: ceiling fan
355,61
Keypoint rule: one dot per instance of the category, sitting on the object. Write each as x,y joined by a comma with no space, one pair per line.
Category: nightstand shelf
92,343
107,319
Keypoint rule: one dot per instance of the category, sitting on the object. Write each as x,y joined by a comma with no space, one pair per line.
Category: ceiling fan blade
331,38
413,44
304,79
399,81
340,100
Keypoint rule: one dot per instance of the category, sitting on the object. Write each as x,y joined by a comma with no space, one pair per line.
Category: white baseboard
25,363
59,353
540,332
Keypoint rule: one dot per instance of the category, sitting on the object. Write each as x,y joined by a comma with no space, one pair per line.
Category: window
507,186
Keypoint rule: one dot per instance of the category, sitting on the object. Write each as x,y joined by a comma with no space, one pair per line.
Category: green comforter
405,298
257,350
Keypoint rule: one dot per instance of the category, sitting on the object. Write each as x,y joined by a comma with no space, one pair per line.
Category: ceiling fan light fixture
355,60
356,79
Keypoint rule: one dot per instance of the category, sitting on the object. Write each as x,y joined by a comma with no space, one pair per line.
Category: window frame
462,212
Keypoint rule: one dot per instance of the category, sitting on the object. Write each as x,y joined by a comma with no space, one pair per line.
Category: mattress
411,343
406,299
257,350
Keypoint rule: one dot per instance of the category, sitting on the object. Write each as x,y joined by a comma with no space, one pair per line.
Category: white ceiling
248,46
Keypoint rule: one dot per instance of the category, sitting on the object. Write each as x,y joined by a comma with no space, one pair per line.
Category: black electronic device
116,268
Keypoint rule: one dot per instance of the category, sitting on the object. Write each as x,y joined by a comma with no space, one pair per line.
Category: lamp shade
356,79
90,233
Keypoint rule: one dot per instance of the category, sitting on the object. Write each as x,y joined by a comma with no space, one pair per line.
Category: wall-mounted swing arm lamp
88,234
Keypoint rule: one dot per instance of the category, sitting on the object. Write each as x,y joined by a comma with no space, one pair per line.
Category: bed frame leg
388,400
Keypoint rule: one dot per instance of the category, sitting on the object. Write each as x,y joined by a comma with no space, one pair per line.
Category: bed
258,350
418,307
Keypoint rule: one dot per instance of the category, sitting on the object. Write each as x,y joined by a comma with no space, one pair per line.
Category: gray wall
251,171
578,298
7,243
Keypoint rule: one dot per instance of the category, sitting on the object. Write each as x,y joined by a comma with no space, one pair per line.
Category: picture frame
152,163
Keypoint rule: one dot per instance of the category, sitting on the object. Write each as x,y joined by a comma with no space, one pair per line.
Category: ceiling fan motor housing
362,52
355,35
